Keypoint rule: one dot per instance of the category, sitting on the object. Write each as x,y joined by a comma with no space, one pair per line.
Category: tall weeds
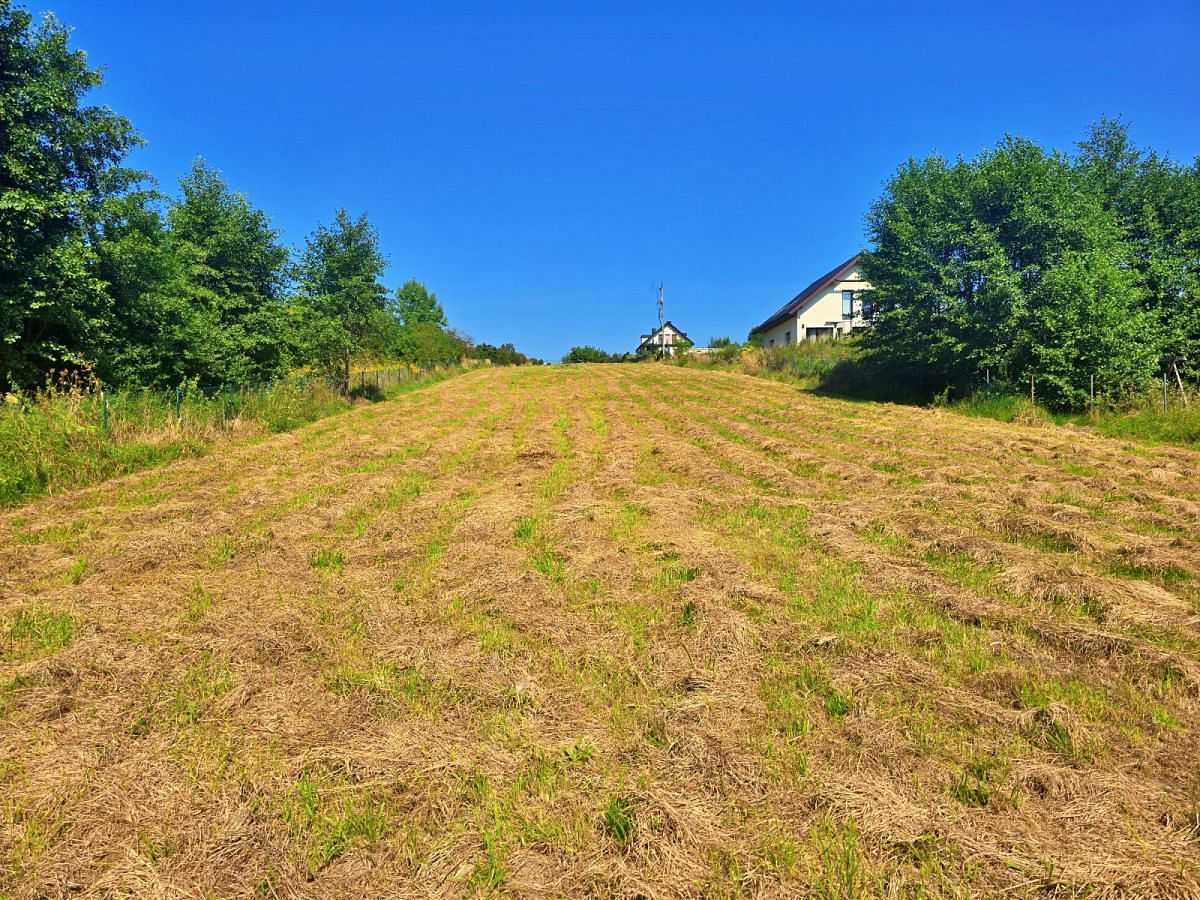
73,433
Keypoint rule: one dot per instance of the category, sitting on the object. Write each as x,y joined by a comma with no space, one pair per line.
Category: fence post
178,403
104,414
1032,395
1164,392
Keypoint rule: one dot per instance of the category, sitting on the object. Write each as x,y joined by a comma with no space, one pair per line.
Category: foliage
426,345
417,305
413,328
1032,263
146,340
724,349
59,162
504,355
340,296
1144,422
225,309
809,363
588,354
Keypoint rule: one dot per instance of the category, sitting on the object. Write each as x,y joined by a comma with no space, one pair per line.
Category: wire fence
1179,390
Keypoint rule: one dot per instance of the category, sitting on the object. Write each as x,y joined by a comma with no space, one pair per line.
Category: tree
230,329
1157,206
1015,261
339,297
589,354
144,281
504,355
59,162
426,345
415,305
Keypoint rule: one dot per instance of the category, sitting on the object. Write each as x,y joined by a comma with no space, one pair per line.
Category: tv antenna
661,318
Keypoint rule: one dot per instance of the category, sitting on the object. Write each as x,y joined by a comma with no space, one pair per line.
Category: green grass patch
199,603
389,682
331,828
1145,423
978,780
618,819
551,564
527,529
1168,575
327,560
76,571
674,576
39,630
59,439
204,683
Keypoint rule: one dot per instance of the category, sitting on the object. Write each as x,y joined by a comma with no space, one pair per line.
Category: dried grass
774,631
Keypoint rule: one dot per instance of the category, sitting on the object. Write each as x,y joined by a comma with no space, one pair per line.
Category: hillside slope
610,630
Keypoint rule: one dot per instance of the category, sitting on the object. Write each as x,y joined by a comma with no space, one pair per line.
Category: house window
847,304
787,337
771,343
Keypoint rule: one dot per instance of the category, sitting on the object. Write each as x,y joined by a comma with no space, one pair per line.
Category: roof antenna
661,319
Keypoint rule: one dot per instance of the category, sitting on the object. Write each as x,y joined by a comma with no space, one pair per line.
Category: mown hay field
610,631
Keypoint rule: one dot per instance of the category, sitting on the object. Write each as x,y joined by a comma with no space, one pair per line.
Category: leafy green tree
589,354
504,355
1157,206
59,161
234,273
340,297
416,305
144,281
1015,261
426,345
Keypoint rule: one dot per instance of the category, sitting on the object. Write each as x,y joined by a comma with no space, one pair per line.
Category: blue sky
542,166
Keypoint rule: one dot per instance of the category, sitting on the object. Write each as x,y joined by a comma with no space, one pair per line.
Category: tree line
101,272
1025,263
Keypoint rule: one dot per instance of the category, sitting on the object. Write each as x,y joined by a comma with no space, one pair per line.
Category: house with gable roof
831,307
664,341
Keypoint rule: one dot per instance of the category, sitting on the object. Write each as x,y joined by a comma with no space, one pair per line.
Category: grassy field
610,631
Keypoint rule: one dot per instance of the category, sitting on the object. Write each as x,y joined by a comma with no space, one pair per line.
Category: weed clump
618,819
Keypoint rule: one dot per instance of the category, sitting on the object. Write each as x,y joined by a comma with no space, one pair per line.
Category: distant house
664,341
830,307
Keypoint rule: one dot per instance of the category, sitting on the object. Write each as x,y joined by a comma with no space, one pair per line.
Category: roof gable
814,290
666,326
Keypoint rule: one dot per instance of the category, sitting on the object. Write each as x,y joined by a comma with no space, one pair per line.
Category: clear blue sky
542,166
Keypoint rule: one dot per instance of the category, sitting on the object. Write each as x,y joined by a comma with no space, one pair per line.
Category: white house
663,341
830,307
